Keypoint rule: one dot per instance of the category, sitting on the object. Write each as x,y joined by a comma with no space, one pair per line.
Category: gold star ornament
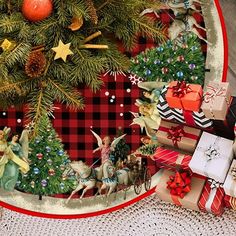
62,51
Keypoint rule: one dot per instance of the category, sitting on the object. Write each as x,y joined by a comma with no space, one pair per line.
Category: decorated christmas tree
121,149
49,48
179,60
48,163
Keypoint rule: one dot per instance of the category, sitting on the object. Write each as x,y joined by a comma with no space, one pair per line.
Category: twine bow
212,153
233,172
213,92
179,184
175,134
214,184
181,89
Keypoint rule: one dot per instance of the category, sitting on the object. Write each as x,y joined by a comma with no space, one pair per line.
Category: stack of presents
195,159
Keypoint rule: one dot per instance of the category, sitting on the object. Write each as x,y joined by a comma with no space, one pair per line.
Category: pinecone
35,64
92,11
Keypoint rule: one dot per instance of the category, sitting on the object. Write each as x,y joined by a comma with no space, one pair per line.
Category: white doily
147,217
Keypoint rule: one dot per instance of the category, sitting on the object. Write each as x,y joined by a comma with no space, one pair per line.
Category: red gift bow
181,89
179,184
213,93
175,134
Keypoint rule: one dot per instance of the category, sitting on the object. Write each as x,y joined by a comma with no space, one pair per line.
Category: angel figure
12,158
105,145
152,90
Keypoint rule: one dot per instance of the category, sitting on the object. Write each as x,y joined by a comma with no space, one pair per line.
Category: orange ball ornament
37,10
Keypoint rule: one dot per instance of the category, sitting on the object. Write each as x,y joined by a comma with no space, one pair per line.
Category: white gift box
230,183
212,157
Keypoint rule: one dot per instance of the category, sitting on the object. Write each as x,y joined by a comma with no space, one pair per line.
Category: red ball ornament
181,58
164,70
39,156
51,172
37,10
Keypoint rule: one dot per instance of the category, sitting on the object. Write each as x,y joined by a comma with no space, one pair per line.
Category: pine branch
12,23
119,18
9,87
40,103
148,28
89,69
18,54
103,5
65,94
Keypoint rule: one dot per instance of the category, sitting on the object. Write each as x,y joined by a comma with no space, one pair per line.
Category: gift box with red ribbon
230,202
179,136
216,100
171,159
212,198
190,118
180,188
184,96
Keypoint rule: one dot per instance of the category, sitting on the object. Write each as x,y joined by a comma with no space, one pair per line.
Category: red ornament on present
39,156
37,10
179,184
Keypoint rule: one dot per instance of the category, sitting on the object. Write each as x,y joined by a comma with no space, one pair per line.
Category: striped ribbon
211,94
214,185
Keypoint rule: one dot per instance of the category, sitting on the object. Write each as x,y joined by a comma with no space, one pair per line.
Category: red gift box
192,189
230,202
212,198
184,96
171,159
178,136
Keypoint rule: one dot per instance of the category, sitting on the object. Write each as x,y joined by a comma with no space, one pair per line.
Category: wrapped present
212,198
225,128
179,136
230,202
216,100
230,181
184,96
212,157
191,118
179,189
171,159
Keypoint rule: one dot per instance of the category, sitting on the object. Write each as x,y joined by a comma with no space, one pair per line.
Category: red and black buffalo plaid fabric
103,113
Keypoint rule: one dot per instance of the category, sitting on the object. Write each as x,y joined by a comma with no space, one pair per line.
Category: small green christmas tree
48,163
121,150
148,150
172,61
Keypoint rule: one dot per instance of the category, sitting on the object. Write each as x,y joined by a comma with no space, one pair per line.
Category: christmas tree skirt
71,136
86,206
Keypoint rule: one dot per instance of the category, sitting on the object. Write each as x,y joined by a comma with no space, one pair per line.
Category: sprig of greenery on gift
180,60
49,48
148,149
48,164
